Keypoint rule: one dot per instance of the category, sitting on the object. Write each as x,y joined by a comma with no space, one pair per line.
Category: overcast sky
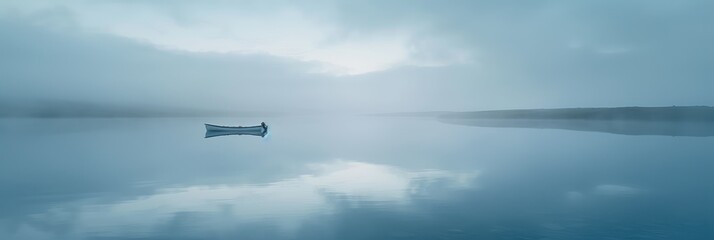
367,56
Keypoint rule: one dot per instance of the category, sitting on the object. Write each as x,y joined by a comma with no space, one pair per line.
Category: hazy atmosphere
356,119
365,56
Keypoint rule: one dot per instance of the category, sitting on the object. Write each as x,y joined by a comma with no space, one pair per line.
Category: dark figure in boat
265,126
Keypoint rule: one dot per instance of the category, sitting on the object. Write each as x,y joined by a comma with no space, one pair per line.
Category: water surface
348,178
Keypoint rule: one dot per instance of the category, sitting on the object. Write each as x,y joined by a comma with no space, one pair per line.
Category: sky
355,56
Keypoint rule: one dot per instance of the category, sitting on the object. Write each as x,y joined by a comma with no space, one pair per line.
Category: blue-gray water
348,178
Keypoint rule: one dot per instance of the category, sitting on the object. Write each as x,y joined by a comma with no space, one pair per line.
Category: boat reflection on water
216,130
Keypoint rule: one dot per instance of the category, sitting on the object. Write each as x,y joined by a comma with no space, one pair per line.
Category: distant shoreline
695,121
673,113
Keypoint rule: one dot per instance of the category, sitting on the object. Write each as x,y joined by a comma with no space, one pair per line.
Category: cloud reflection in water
284,204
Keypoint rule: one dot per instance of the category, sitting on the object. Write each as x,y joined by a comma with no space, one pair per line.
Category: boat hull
216,130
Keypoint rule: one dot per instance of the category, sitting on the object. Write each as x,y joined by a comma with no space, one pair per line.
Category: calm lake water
348,178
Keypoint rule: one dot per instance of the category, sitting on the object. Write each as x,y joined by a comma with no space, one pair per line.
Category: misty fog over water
338,119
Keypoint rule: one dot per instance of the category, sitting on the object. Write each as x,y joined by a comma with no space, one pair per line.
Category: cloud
374,55
242,27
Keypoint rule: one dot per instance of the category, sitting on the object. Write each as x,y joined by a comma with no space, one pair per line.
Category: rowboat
216,130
